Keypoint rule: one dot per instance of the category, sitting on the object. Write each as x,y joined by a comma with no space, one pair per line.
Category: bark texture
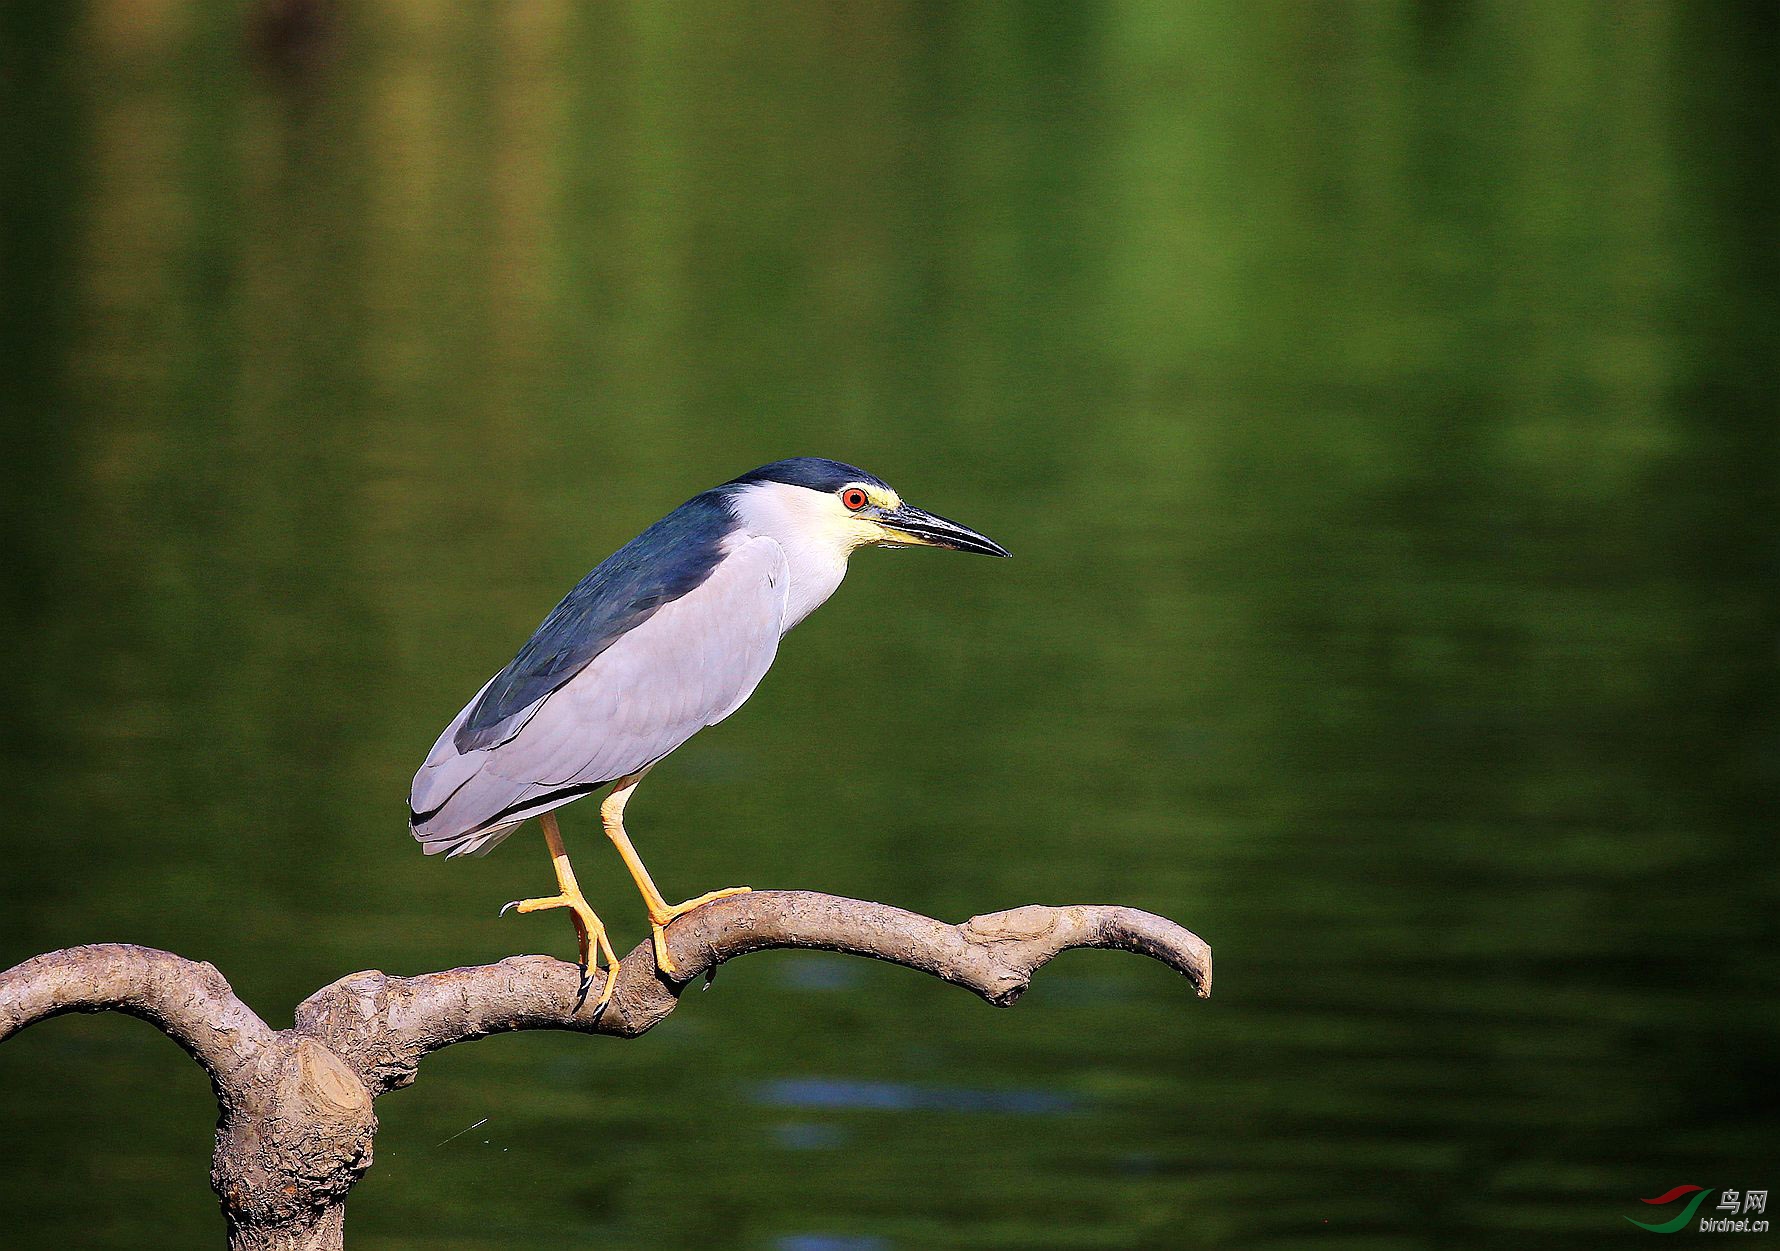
297,1119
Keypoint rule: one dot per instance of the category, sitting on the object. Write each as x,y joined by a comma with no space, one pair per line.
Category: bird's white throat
815,531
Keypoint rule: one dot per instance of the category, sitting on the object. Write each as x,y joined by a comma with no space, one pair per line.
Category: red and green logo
1680,1222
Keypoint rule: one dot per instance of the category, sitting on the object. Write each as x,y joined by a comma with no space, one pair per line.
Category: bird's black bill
931,531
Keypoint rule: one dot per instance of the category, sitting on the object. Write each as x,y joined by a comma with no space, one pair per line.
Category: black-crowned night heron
668,635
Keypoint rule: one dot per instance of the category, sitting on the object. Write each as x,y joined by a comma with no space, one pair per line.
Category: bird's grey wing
691,664
668,560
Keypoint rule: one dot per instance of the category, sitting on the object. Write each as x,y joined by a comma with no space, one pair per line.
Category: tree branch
189,1002
383,1026
297,1119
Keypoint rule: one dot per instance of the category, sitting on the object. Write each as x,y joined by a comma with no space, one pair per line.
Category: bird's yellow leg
588,927
660,910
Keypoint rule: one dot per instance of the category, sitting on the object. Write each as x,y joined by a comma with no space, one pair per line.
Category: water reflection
844,1094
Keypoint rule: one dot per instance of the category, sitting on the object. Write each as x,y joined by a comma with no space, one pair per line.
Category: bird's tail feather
474,843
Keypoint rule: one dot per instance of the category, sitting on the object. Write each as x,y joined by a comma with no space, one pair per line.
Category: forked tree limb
297,1121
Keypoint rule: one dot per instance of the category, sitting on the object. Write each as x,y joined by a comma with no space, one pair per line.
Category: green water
1379,400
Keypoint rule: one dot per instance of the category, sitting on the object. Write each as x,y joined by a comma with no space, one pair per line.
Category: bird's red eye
854,499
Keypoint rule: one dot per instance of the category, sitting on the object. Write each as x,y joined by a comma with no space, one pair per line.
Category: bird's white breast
813,531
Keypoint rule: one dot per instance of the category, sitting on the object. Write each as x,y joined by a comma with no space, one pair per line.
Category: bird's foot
658,923
594,944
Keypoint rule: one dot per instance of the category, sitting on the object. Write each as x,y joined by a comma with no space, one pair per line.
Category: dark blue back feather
664,562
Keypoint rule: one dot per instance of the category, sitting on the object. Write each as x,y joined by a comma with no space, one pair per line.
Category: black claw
581,995
710,977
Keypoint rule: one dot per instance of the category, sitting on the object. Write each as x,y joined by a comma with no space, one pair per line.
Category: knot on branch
297,1140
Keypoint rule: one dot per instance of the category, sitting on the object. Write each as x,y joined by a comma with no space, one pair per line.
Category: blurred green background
1379,399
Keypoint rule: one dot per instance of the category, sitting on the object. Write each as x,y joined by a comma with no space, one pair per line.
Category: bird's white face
855,515
820,529
836,522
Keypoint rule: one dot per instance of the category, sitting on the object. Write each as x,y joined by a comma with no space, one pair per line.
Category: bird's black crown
809,471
